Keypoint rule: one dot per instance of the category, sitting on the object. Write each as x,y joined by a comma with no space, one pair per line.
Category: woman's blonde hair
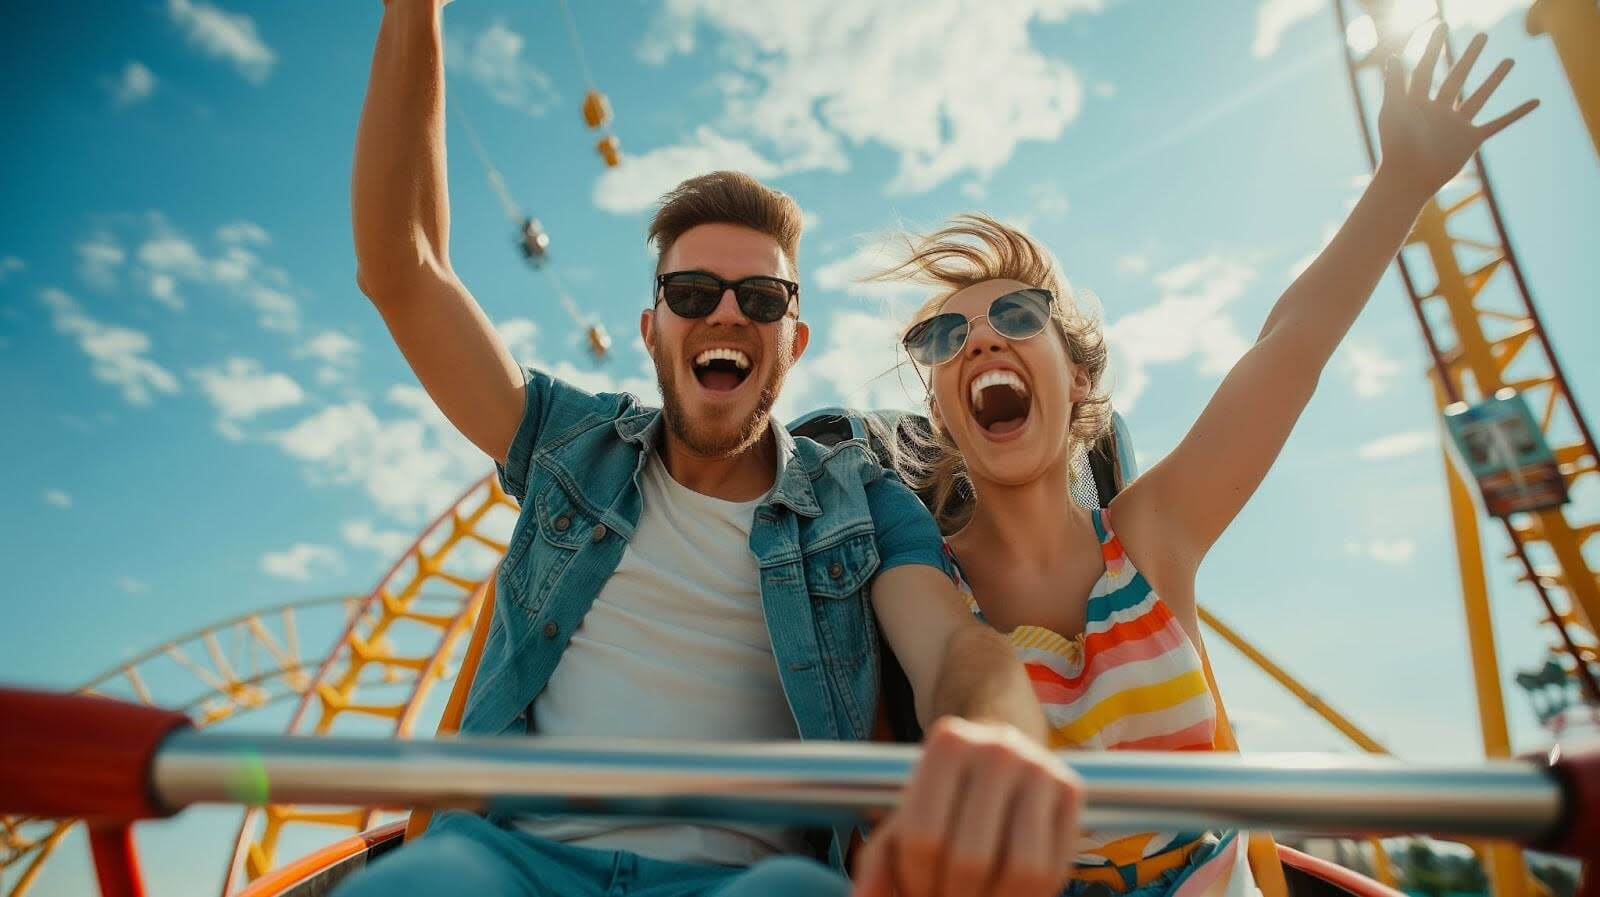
971,249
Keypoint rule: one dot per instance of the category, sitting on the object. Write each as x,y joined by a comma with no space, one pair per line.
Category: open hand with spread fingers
988,812
1426,139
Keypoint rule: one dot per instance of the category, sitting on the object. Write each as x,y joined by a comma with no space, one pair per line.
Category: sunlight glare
1362,36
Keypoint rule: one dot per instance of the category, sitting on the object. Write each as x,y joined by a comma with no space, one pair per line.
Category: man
694,572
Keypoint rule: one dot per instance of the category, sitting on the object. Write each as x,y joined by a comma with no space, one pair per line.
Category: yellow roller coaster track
458,551
248,663
1483,335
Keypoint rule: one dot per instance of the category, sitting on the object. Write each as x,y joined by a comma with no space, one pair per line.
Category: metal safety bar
839,784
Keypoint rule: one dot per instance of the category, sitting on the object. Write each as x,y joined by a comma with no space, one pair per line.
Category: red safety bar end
78,755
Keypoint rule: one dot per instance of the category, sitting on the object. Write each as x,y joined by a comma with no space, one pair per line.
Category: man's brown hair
728,197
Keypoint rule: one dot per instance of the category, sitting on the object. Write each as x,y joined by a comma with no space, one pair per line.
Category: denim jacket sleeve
906,533
551,407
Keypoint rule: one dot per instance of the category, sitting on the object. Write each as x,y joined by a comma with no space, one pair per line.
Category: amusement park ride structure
394,644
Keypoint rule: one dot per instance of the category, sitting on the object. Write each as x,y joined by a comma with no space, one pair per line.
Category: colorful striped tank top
1131,681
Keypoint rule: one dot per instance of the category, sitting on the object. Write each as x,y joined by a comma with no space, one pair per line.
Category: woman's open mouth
1000,402
721,369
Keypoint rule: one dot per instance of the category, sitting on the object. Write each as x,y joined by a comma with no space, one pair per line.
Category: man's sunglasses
695,294
1015,316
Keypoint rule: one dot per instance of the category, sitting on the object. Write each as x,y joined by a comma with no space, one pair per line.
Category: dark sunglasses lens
938,339
691,295
763,300
1021,314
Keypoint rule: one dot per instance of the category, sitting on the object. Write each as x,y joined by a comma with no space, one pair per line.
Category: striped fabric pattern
1131,681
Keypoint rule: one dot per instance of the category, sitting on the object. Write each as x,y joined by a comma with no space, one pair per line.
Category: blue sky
206,416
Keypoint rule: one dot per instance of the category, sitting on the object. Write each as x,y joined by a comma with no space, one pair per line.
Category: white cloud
134,85
948,86
99,259
1397,445
170,252
240,232
116,354
223,35
640,183
1190,320
132,586
387,543
520,336
872,255
1397,551
167,258
1133,263
494,59
10,265
296,562
275,309
1105,89
241,389
334,350
405,455
858,368
57,498
169,261
410,464
1274,17
1049,201
1369,369
643,386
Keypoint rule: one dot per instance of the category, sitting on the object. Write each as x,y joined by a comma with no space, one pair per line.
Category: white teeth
998,377
741,360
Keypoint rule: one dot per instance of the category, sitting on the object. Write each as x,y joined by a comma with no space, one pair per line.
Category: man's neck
743,476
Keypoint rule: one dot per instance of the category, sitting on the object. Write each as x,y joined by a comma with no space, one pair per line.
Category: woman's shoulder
1139,521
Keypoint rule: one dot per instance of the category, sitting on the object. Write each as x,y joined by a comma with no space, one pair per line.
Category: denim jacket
833,520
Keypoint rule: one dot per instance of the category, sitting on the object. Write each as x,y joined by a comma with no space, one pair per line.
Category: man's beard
707,439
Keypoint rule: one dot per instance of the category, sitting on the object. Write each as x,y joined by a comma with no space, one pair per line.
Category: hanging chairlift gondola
535,243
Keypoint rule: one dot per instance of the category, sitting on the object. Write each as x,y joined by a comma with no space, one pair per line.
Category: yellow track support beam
1502,862
1574,27
330,699
1318,706
1481,343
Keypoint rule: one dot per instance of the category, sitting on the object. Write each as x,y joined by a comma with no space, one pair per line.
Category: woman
1100,604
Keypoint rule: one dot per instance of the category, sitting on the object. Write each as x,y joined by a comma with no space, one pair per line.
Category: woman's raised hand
1427,139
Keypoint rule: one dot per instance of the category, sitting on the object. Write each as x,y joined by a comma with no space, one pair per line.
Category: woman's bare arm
1201,486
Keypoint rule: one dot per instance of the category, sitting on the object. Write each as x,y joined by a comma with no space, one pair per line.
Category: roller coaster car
596,109
599,342
534,242
57,791
610,149
315,874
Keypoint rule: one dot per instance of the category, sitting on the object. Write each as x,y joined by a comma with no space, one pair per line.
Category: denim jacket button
562,523
599,534
835,569
551,629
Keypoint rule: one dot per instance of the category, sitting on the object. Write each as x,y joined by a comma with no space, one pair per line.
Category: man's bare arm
400,205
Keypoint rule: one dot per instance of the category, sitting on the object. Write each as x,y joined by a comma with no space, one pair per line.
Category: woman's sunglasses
1015,316
695,294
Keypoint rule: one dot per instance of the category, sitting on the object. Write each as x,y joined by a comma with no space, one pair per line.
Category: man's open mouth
722,369
999,401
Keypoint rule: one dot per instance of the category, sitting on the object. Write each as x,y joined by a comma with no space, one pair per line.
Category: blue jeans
468,855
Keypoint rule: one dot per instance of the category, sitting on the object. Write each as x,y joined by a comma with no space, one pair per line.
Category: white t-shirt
674,647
